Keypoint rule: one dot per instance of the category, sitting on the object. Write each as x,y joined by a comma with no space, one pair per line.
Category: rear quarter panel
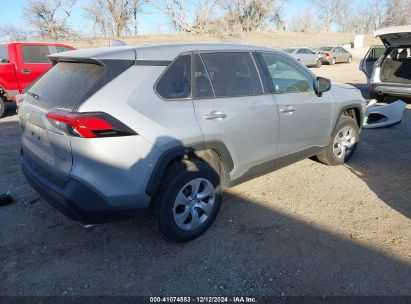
130,160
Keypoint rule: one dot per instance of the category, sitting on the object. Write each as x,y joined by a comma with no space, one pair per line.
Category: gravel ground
307,229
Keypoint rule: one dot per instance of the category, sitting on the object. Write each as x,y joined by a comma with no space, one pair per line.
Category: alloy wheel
343,142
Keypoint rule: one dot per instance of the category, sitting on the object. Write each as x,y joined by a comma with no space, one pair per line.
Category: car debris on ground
377,116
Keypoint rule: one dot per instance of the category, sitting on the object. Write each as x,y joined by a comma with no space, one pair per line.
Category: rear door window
202,81
4,54
35,53
176,81
65,85
232,74
376,53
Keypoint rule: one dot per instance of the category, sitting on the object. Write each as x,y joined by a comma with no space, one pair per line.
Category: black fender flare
179,151
359,118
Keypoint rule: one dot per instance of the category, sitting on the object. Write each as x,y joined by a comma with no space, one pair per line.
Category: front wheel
2,107
188,200
343,143
349,59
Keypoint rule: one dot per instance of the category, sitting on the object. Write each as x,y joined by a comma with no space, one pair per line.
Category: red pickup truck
21,63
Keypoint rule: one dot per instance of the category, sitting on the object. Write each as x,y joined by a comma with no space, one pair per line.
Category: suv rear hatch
46,145
396,64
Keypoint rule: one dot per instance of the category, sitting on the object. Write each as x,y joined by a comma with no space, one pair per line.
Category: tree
49,18
13,33
381,13
253,15
303,22
205,15
177,12
328,11
113,17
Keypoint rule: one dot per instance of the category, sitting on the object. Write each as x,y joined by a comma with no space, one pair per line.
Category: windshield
288,50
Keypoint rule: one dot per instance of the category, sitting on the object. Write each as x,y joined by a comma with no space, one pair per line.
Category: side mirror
322,85
4,60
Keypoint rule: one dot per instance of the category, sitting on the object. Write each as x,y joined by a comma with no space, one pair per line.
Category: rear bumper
77,200
390,89
11,94
326,59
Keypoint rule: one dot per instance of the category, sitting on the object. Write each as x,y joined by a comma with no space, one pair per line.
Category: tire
319,63
175,218
349,59
329,156
2,107
332,62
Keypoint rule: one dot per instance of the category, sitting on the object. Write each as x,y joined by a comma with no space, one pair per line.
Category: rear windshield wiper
34,95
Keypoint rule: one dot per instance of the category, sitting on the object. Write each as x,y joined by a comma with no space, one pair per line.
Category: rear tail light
88,125
327,54
19,99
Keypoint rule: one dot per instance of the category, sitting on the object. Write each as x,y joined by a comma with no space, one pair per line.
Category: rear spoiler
96,55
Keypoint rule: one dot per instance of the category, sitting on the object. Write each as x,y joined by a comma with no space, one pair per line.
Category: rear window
176,81
326,49
232,74
60,49
35,53
288,50
65,85
4,54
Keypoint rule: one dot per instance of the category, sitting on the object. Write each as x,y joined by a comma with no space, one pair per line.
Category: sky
149,22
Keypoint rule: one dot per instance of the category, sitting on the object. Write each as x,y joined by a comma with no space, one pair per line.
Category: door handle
25,71
288,110
215,115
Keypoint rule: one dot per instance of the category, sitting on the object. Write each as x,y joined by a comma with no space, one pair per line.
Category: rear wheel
343,143
188,200
349,59
332,62
2,107
319,63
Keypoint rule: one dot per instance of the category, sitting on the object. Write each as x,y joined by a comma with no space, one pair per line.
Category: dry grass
269,39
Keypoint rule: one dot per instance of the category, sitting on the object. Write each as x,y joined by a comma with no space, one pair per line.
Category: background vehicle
334,54
175,137
391,72
305,56
367,63
21,63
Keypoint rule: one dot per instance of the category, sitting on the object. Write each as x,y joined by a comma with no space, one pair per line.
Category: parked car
367,63
334,54
305,56
390,74
21,63
111,133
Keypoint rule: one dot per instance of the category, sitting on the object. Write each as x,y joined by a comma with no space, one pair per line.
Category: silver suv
388,70
111,133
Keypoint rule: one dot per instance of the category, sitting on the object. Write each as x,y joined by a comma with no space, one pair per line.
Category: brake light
327,54
88,125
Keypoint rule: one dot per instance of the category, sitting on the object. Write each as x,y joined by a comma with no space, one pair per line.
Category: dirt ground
307,229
